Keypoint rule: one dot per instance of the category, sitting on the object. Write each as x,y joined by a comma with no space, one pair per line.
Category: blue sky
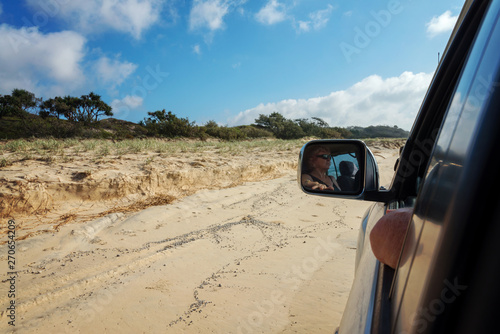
352,63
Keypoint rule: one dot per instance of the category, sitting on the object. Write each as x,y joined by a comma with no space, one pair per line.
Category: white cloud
273,12
197,49
129,16
372,101
28,57
124,105
208,14
441,24
50,64
321,17
318,20
304,26
113,72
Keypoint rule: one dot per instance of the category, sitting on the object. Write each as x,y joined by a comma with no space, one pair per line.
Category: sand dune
231,246
50,195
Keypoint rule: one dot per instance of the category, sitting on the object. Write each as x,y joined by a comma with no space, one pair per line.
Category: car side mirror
339,168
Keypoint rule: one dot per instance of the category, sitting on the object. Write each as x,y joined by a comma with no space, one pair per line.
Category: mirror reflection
331,168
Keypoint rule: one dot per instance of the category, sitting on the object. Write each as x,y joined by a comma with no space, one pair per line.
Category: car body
448,274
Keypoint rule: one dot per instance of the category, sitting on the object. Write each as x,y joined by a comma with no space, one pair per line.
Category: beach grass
66,150
53,150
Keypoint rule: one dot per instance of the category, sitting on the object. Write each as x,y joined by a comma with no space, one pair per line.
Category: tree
6,106
290,130
319,122
58,106
88,108
280,126
211,124
310,128
24,101
382,131
272,122
19,103
169,125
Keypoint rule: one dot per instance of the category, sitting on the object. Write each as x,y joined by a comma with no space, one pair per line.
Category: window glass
337,160
469,82
479,92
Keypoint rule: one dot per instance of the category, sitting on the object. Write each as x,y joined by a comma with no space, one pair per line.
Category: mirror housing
352,171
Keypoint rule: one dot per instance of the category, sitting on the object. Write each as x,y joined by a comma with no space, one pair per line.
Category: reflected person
315,170
346,180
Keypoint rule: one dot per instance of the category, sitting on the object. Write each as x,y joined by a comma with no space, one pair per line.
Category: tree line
86,109
22,114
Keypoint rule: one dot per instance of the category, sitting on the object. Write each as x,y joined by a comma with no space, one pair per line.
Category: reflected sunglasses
324,156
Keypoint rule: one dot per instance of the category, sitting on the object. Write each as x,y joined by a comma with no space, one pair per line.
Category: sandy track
261,257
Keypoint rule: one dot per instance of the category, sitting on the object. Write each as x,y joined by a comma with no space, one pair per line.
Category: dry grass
66,150
385,142
52,151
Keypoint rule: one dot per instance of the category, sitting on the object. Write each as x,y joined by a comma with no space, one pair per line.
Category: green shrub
161,123
224,132
252,131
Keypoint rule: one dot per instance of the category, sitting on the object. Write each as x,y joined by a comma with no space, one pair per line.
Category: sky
351,63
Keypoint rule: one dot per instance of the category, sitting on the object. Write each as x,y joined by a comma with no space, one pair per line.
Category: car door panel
362,295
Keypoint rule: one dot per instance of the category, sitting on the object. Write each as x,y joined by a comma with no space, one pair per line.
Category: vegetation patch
23,115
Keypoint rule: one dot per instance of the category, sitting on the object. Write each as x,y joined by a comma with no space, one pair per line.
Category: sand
206,245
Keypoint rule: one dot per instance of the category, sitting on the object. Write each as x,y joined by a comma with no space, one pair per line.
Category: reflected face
322,159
